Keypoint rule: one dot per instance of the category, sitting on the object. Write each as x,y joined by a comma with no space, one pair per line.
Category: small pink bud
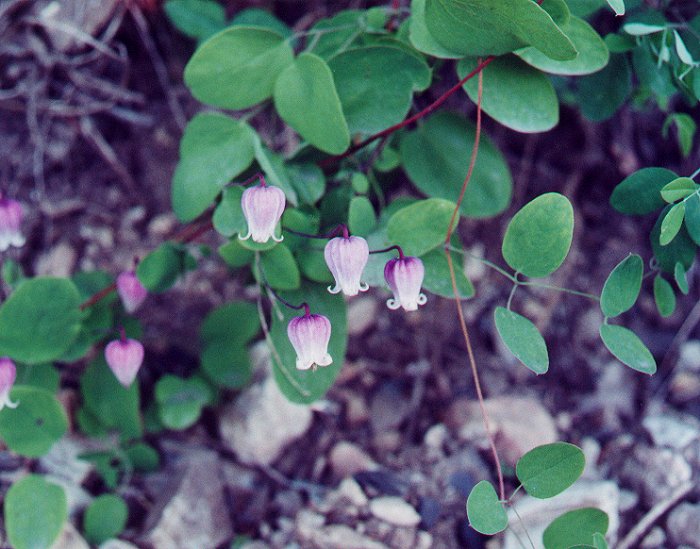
8,374
309,335
10,224
263,206
131,291
404,276
124,357
346,258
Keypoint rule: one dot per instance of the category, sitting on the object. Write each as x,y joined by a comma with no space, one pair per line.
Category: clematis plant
124,357
262,206
10,224
404,275
8,374
310,334
131,291
346,257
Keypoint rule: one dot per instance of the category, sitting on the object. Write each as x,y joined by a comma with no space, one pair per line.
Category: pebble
388,408
683,524
670,431
394,510
58,261
689,356
347,459
655,472
117,544
654,539
70,538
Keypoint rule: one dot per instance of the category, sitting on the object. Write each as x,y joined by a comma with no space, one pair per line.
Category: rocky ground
387,459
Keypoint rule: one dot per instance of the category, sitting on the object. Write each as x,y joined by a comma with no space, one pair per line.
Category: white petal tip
422,299
393,304
333,290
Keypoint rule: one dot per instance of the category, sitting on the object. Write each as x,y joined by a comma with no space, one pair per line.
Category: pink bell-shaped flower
8,374
124,357
10,224
131,291
263,206
309,335
404,275
346,258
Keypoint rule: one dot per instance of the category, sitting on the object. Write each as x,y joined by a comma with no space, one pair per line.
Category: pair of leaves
180,400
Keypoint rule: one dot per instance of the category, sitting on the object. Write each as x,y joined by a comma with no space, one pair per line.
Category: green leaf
599,95
550,469
196,18
234,254
437,276
238,320
360,183
110,404
180,400
599,541
306,99
574,528
618,6
642,29
35,512
275,170
679,275
143,457
678,189
640,193
105,518
685,128
422,226
692,217
361,217
308,181
217,77
214,149
420,36
484,511
592,56
228,218
337,33
40,320
227,364
306,386
664,297
484,27
434,159
523,339
160,269
254,17
628,348
514,94
539,236
373,97
280,269
671,224
622,286
38,421
680,249
43,376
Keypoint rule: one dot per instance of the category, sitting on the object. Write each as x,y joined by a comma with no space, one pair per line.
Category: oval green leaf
692,217
515,94
626,347
196,18
664,296
680,250
671,224
35,512
433,157
237,68
539,236
180,400
280,269
420,36
484,511
422,226
105,518
622,286
640,193
306,99
550,469
678,189
226,363
40,320
159,270
437,275
576,527
679,275
237,320
523,339
228,218
361,217
35,424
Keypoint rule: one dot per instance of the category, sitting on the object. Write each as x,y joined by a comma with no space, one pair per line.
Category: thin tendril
520,520
390,248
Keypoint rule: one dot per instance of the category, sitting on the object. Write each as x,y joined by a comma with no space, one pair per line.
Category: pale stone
347,459
394,510
69,538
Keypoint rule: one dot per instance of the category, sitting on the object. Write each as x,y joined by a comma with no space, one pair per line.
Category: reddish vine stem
188,234
462,322
425,112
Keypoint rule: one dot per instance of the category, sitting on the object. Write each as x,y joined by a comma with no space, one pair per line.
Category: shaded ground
88,142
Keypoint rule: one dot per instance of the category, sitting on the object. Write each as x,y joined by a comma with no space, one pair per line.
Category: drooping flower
309,335
263,206
131,291
346,258
10,224
124,357
404,275
8,374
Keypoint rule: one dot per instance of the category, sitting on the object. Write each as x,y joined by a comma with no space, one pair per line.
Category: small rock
424,541
117,544
58,261
339,536
683,524
356,410
308,522
394,510
655,472
162,225
350,490
436,436
347,459
520,424
685,386
70,539
63,460
362,313
689,356
388,408
654,539
261,422
388,441
670,431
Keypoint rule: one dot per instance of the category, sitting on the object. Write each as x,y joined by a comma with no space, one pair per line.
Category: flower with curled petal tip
8,374
124,357
309,335
263,206
346,258
404,275
10,224
131,291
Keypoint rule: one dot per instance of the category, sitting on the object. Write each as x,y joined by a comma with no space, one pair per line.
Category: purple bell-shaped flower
346,258
10,224
404,275
124,357
8,374
309,335
131,291
263,206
